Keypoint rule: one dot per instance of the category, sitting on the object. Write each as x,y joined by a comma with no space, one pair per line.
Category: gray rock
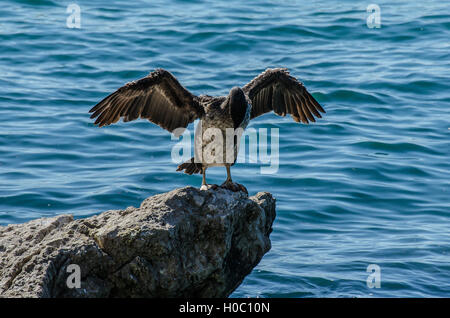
184,243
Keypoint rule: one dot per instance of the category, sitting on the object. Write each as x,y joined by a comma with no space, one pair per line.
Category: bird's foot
235,187
206,187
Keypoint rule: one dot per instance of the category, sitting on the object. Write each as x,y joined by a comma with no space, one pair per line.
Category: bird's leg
228,174
206,186
230,185
204,176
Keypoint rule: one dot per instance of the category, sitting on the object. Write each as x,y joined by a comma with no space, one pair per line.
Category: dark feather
275,90
159,97
237,106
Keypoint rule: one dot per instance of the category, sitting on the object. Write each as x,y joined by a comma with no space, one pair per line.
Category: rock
184,243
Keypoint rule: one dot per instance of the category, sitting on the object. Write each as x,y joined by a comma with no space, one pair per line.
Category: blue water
367,184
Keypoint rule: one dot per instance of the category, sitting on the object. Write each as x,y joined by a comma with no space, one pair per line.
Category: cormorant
161,99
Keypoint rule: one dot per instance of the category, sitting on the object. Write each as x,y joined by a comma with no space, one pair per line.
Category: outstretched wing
158,97
276,90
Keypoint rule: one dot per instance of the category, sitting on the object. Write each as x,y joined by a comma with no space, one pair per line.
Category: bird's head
236,96
237,105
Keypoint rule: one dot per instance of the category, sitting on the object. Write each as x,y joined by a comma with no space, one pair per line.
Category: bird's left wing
158,97
276,90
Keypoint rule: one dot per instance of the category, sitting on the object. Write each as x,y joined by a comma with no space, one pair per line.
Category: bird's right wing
158,97
276,90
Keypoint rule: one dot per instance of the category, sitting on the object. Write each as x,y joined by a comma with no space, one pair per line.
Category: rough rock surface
184,243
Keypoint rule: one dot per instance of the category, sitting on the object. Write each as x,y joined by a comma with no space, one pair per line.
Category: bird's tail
190,167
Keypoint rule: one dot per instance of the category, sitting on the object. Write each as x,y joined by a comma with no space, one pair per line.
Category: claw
235,187
206,187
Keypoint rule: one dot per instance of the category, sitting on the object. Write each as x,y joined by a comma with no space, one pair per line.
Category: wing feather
306,109
295,115
312,107
289,105
301,113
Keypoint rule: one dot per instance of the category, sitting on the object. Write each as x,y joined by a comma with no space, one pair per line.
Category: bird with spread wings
161,99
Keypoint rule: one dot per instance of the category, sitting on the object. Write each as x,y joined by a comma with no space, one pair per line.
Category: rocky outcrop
184,243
